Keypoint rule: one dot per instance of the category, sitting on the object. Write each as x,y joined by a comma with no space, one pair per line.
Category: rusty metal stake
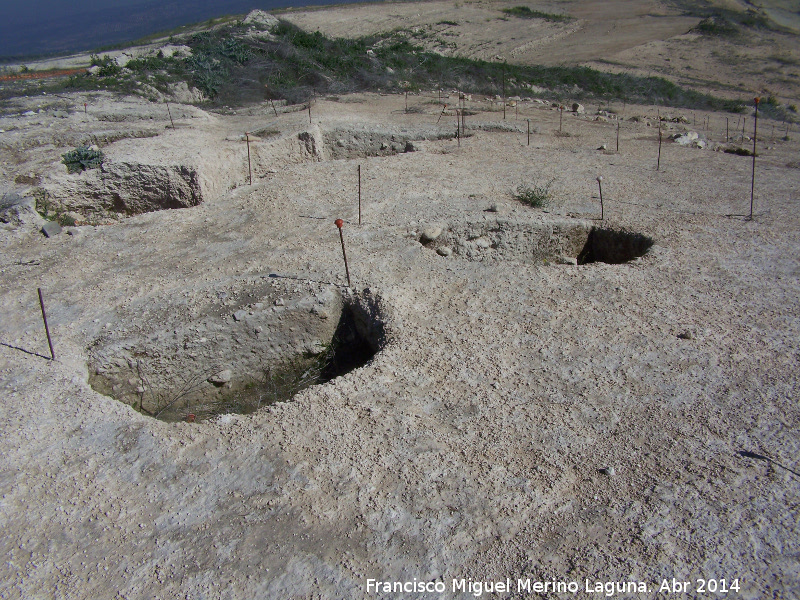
309,111
444,108
249,168
658,163
169,112
529,132
617,136
560,117
46,328
504,91
753,179
727,136
339,223
84,110
359,194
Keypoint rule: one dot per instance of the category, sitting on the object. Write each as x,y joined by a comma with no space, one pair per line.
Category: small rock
568,260
444,251
484,243
493,208
239,315
686,335
410,147
320,312
578,108
429,234
603,147
610,471
280,302
221,378
51,228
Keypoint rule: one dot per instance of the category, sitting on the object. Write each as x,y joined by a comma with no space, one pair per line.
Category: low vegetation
232,67
537,194
526,13
82,158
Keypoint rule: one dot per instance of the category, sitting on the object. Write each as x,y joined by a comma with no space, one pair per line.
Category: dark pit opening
613,246
347,350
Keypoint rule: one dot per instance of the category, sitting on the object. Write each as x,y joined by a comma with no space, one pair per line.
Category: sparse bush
108,66
537,195
526,13
82,158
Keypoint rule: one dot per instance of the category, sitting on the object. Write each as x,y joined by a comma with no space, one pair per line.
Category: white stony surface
472,445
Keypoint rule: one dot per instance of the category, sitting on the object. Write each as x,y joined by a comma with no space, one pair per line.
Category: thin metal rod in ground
617,136
463,121
359,194
309,111
529,132
46,328
249,168
600,184
339,223
658,163
744,120
85,111
271,101
444,108
169,112
560,117
727,136
504,91
753,179
406,102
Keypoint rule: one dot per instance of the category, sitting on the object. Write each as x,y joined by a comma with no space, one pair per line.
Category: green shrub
537,195
82,158
108,66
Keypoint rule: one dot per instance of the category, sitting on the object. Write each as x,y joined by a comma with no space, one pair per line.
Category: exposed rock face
131,188
261,19
18,211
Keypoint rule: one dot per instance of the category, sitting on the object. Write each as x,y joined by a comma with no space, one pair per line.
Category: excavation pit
613,247
555,242
172,383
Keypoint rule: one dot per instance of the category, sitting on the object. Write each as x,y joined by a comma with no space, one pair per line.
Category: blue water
41,27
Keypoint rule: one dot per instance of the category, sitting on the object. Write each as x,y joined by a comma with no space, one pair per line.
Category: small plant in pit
536,194
49,211
82,158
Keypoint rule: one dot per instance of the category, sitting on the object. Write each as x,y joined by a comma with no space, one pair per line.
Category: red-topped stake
339,223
